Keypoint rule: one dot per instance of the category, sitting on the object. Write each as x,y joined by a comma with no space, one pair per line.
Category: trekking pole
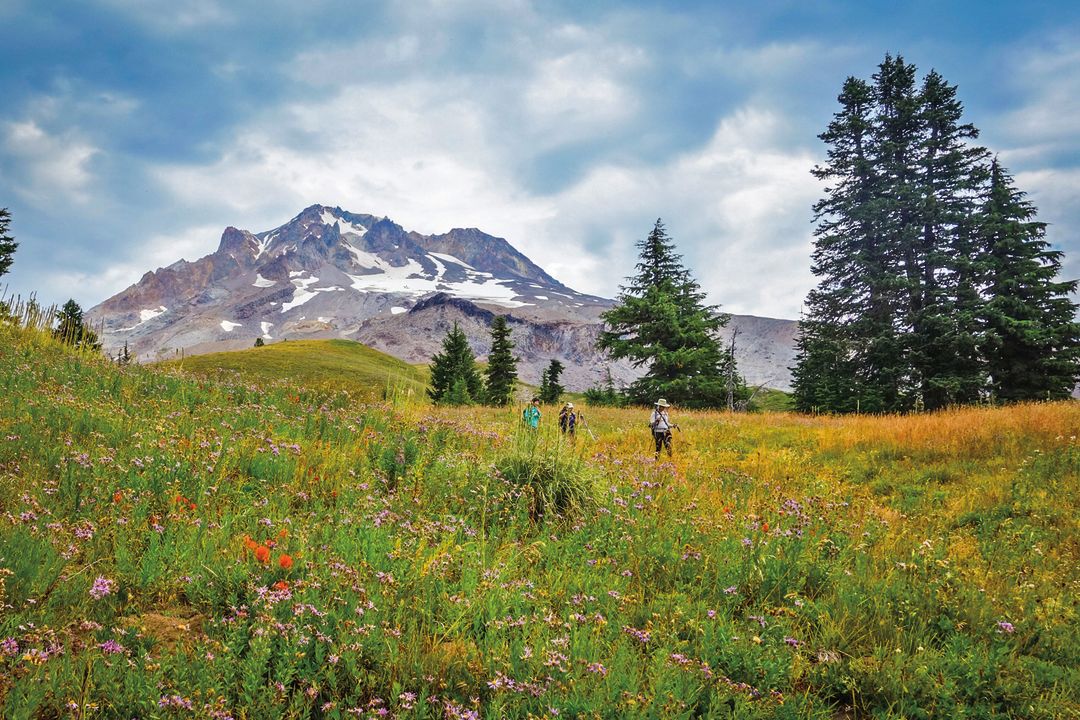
589,429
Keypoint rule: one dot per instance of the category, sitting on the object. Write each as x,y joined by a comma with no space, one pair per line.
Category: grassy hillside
173,546
326,364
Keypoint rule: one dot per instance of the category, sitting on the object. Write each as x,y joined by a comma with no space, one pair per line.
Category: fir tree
550,389
1032,341
895,319
661,321
72,330
454,380
944,325
837,369
7,243
501,374
259,342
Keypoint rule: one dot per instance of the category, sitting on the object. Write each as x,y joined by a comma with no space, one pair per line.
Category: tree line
660,322
936,285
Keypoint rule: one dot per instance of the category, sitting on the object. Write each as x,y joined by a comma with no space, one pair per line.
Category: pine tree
550,389
661,321
1032,341
72,330
501,374
847,334
454,380
259,342
895,318
944,325
7,243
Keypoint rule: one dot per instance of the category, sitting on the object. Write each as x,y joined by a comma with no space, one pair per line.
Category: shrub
555,484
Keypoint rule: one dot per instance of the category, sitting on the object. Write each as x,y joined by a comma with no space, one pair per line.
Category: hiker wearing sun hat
661,426
568,419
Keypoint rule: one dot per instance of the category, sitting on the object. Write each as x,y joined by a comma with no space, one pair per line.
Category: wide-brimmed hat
569,406
662,403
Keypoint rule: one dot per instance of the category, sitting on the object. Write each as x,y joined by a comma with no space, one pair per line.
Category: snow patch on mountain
410,280
329,218
397,310
363,258
301,295
451,258
146,316
261,245
229,326
261,282
266,329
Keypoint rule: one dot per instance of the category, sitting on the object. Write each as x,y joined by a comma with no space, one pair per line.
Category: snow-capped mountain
332,273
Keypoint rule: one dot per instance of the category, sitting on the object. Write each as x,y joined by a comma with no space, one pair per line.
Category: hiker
531,414
661,426
568,419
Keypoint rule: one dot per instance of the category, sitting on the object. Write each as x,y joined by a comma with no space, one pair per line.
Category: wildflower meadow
176,545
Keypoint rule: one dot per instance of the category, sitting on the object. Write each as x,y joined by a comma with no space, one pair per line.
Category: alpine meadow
178,545
718,361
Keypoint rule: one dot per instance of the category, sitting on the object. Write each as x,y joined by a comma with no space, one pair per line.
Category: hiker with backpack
568,419
530,416
661,426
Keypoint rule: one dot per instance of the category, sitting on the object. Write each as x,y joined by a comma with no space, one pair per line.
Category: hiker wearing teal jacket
531,414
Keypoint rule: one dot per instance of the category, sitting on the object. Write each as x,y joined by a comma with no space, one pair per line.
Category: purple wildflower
111,647
102,587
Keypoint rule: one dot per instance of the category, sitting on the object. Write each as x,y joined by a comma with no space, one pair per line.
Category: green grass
176,546
770,400
325,364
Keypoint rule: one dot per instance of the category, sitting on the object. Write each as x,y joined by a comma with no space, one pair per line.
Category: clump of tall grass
556,481
26,313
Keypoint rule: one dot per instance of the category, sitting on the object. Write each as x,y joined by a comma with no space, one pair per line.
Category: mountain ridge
332,273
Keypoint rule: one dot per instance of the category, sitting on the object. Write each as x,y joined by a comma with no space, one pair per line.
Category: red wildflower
285,561
117,496
764,527
281,585
262,554
249,543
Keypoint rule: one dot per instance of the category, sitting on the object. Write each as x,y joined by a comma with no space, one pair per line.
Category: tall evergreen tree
944,323
550,388
847,336
454,380
7,243
502,365
1032,341
896,317
661,322
71,328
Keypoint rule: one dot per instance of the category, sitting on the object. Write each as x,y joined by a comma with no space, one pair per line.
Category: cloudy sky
133,131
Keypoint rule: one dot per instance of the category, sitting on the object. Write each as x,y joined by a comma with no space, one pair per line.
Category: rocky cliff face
336,274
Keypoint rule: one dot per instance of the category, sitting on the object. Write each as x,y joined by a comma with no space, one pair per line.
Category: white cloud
418,152
49,168
737,209
145,253
1048,119
582,93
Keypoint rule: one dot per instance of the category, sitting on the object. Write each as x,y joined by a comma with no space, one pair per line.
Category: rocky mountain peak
329,272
